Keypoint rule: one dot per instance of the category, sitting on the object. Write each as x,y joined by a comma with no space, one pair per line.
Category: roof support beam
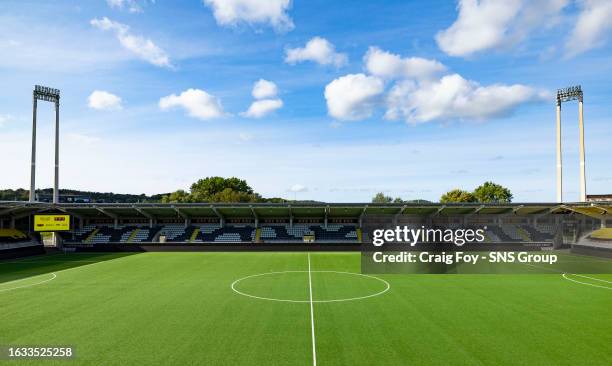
438,211
145,214
181,213
109,214
290,216
185,217
105,212
255,216
9,210
326,215
604,211
81,218
397,215
78,216
475,212
221,218
22,215
601,216
362,215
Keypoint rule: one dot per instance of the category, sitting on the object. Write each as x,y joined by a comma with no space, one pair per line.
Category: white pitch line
592,278
234,284
585,283
30,285
314,347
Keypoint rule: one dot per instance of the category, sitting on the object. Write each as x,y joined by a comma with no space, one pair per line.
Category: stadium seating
227,234
286,233
274,233
172,232
517,233
92,234
211,233
602,234
537,234
514,232
12,236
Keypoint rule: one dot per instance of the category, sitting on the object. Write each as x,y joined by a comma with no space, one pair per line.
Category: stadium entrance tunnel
293,286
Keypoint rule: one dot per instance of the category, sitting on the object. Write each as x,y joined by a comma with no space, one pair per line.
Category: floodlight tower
49,95
566,95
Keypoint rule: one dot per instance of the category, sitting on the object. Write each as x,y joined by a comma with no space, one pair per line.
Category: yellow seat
603,233
12,233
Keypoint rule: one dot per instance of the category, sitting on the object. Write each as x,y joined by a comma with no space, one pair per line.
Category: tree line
233,190
210,189
488,192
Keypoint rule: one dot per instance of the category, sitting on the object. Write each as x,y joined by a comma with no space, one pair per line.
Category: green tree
381,198
205,189
457,195
230,195
490,192
177,196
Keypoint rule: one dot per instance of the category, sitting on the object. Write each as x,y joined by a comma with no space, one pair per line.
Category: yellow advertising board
51,222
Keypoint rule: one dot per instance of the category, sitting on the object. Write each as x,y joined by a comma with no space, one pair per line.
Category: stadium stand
514,233
602,234
537,234
500,233
210,233
14,243
12,236
275,233
95,224
286,233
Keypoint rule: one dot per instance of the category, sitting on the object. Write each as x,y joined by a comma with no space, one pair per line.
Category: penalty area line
312,326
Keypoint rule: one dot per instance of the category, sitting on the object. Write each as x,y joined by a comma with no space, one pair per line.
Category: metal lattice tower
48,95
566,95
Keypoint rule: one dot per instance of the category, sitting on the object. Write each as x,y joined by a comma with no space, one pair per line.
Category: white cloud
263,107
390,66
198,104
419,94
234,12
82,139
264,89
4,118
140,46
318,50
131,5
490,24
10,43
592,27
245,137
103,100
266,102
353,96
453,97
297,188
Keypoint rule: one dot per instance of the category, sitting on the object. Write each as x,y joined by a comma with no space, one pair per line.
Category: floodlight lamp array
47,94
569,93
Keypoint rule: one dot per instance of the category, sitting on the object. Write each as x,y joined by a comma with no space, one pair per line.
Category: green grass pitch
179,308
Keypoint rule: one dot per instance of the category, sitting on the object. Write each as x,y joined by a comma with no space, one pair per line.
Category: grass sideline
179,308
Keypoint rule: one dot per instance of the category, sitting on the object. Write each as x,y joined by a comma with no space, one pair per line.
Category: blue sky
409,98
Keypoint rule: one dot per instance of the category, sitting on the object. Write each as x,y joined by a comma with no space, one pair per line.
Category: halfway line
314,348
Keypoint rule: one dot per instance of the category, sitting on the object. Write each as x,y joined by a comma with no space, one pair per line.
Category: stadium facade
202,226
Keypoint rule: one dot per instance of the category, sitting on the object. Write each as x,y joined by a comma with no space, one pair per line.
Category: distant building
599,197
64,198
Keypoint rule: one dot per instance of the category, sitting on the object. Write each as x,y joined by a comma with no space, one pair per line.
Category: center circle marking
387,287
